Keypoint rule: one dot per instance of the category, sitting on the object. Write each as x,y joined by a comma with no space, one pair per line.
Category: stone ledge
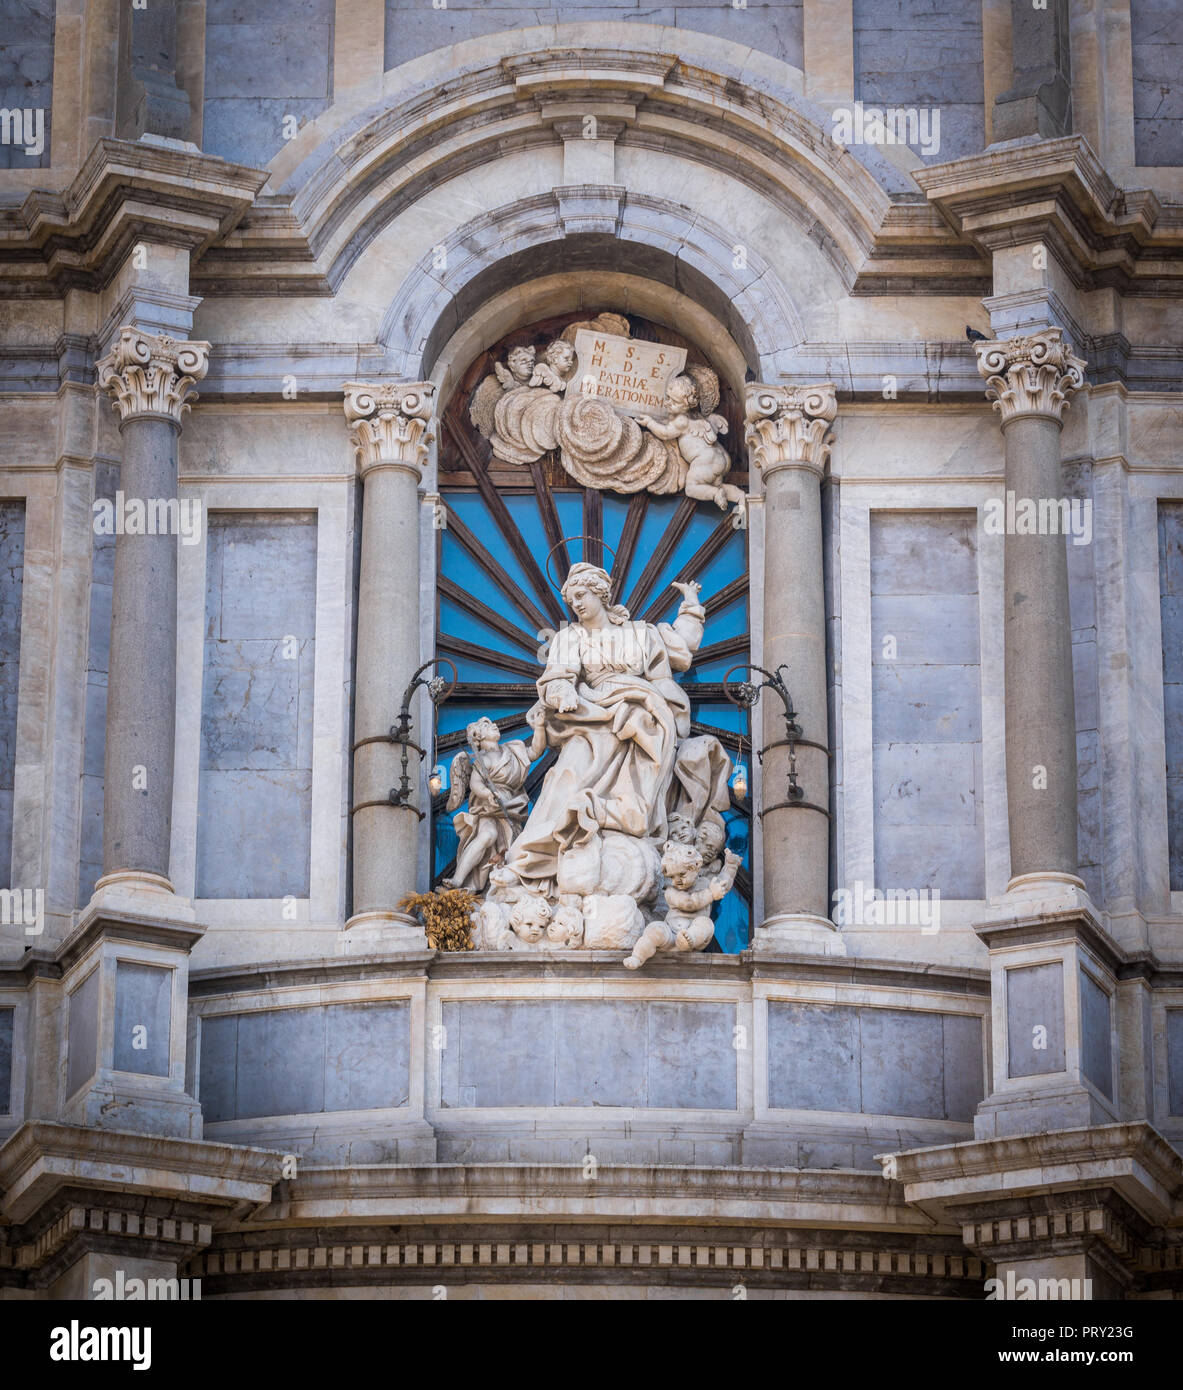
43,1157
1132,1158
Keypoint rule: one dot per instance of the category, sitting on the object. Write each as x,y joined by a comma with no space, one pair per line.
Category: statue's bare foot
633,963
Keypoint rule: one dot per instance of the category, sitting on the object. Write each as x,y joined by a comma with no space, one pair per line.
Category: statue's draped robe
616,748
494,795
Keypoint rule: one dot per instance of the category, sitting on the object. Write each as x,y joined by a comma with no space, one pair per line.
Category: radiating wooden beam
495,573
662,552
634,519
456,646
476,609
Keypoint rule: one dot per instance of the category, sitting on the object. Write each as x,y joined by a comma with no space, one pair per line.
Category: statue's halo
557,586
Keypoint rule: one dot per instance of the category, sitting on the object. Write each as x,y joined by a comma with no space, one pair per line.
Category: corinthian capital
786,425
388,424
1030,376
150,375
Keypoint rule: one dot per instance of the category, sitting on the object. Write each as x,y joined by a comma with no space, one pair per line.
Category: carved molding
1032,375
389,424
787,425
148,374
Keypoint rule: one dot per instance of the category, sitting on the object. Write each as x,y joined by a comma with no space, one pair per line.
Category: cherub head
483,735
681,829
520,361
530,918
680,864
561,356
710,840
681,394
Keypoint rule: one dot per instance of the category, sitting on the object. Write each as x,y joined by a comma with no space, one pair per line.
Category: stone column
1029,380
787,436
151,381
390,428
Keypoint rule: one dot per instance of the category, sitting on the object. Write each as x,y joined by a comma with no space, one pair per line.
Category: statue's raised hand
690,590
563,697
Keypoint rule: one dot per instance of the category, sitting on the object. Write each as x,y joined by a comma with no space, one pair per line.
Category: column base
1040,1112
133,892
114,1104
376,933
799,933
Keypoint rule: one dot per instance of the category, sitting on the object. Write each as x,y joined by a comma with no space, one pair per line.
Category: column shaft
390,432
142,680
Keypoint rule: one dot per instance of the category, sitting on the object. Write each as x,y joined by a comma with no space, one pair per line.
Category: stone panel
913,53
219,1067
143,1000
1170,560
1156,34
82,1038
280,1063
263,63
367,1056
926,703
1175,1061
414,28
1096,1042
12,570
7,1020
676,1055
874,1061
255,790
1035,1000
26,72
106,481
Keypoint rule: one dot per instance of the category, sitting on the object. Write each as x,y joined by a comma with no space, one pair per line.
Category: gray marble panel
82,1037
1175,1061
12,569
924,553
926,704
1096,1042
26,71
281,1062
901,1061
1035,1001
692,1057
964,1065
813,1052
7,1021
1170,558
367,1056
218,1072
597,1057
499,1053
941,628
255,787
1156,33
143,1017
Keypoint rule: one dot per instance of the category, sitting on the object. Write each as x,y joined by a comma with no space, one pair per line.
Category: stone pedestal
389,429
788,441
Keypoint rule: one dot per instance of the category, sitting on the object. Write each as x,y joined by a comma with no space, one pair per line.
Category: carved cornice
150,375
389,423
786,426
1030,376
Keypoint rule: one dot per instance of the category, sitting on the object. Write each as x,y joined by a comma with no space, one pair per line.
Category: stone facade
252,278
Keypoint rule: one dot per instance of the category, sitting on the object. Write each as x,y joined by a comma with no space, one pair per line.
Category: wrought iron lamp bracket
438,690
746,694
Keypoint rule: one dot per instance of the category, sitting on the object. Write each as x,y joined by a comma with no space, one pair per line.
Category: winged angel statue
523,407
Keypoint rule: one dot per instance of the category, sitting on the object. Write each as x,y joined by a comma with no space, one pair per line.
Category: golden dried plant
446,915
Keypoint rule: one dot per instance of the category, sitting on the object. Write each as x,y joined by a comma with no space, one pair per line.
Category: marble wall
1170,553
255,785
912,53
1156,29
926,703
264,61
7,1017
26,71
12,565
98,651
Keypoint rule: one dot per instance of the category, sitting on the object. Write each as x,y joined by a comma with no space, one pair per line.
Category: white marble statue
585,870
689,894
528,406
491,776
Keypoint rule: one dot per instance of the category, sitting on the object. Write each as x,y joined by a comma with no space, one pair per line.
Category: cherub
554,372
698,442
529,919
687,927
490,775
518,369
